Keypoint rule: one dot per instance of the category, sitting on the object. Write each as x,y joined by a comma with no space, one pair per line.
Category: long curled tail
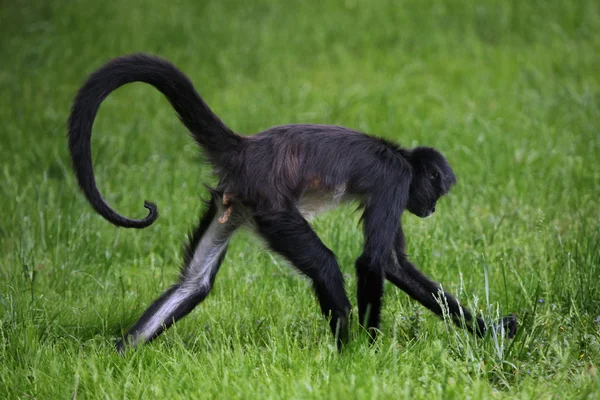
206,128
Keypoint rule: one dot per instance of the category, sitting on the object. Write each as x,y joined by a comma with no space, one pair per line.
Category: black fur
289,234
206,128
267,176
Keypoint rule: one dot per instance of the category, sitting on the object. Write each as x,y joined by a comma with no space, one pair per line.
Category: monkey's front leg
402,273
381,219
369,292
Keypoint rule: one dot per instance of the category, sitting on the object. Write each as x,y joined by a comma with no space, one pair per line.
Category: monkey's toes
120,347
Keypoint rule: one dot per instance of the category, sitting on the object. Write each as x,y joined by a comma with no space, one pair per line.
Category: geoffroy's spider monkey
271,182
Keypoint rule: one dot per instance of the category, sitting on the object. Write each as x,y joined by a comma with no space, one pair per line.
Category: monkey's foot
120,347
507,326
341,332
127,342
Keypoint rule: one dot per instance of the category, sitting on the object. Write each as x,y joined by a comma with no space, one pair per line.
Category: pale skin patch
227,197
223,218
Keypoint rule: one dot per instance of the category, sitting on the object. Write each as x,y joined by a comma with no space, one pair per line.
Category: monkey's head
432,178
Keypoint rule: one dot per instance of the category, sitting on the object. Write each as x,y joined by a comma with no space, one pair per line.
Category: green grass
509,91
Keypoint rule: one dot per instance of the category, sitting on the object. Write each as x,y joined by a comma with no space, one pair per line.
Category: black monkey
271,182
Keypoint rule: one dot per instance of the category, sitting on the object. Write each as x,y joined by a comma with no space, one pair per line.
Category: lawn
509,91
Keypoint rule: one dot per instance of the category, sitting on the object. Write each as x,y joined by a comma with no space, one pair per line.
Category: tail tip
152,213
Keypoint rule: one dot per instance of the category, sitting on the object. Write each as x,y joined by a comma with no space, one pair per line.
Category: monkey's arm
381,220
402,273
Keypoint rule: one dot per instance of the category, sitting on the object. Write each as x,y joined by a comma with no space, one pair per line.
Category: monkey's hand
507,326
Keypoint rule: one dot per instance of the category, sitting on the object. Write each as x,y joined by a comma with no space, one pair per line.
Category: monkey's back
280,164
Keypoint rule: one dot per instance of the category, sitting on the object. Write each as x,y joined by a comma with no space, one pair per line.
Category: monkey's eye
435,174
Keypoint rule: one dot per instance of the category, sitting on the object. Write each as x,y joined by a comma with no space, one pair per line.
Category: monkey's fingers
507,326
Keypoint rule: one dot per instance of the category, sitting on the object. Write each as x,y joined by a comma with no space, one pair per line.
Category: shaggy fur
272,182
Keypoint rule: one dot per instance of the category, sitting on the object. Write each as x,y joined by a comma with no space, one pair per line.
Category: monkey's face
423,196
432,178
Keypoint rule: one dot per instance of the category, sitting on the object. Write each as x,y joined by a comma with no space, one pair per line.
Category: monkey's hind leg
290,235
203,257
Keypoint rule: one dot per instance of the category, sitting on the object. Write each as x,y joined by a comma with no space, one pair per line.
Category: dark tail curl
206,128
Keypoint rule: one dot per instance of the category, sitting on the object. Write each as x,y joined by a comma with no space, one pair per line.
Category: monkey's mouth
427,213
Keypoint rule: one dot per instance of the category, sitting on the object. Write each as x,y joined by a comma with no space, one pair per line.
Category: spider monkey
273,182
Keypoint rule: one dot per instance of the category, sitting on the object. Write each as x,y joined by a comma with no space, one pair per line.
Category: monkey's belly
315,202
